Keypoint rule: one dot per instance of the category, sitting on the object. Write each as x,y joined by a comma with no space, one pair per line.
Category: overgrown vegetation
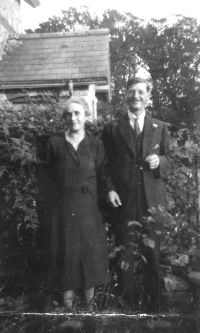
24,131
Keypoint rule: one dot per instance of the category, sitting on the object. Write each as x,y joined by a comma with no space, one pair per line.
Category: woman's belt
79,189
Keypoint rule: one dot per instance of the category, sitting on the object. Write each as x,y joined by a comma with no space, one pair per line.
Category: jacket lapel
125,131
148,135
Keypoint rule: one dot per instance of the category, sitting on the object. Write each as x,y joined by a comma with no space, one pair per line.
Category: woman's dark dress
77,235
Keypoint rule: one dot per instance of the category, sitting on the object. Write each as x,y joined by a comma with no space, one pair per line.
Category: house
57,64
10,21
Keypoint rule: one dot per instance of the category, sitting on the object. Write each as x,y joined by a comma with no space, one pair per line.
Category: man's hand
153,161
114,199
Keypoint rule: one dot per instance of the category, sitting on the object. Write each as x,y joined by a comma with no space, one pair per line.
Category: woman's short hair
64,105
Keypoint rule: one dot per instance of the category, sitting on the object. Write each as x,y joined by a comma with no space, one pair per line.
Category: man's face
137,97
75,117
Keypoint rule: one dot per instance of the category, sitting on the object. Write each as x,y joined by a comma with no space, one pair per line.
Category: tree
172,54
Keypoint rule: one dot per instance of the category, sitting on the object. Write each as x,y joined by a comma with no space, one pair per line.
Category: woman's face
75,117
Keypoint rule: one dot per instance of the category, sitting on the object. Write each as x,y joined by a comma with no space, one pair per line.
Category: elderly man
138,151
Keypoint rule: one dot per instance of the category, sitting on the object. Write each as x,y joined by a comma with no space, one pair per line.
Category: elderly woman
77,166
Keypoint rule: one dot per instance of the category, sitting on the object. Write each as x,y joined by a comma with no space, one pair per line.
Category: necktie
137,127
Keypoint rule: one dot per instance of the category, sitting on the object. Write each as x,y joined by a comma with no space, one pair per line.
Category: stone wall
10,22
3,38
10,15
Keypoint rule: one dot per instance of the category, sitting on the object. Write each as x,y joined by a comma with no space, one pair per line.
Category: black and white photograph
99,166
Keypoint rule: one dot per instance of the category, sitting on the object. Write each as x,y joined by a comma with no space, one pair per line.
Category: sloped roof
50,58
33,3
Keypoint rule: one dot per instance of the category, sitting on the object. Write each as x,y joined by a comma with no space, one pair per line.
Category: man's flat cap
135,80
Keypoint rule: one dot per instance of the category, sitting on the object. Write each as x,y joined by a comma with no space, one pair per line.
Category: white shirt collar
132,118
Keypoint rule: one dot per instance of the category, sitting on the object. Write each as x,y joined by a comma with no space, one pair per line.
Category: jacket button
73,214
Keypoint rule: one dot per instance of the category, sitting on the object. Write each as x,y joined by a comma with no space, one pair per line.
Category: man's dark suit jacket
120,148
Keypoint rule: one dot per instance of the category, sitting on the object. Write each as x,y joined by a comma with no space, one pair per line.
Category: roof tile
58,56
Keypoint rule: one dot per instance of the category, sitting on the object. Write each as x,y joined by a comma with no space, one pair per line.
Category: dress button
73,214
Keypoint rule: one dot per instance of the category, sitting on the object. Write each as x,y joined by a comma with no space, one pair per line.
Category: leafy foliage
182,233
23,132
172,54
